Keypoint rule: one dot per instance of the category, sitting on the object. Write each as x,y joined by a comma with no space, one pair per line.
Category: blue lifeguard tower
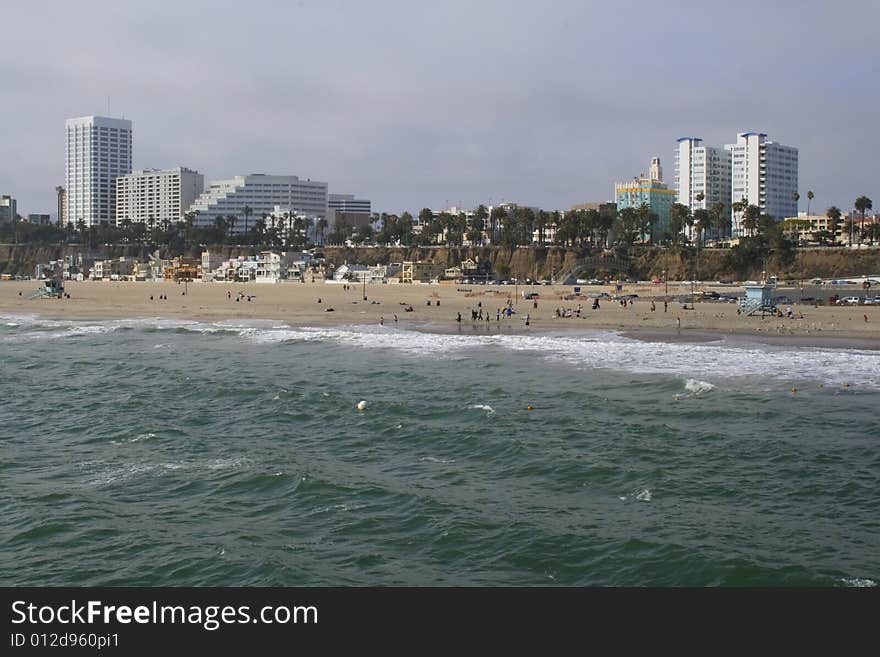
757,298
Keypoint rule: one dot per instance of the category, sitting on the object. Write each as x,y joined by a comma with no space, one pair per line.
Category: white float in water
362,405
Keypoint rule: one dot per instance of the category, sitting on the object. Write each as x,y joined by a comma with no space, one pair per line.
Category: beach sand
297,304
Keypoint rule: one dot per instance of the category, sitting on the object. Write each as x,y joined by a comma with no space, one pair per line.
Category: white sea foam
643,495
123,473
136,439
698,387
483,407
434,459
597,349
859,582
336,507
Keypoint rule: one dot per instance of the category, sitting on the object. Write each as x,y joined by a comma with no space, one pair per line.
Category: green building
647,190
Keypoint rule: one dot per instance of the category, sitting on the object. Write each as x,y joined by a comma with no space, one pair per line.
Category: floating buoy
530,408
362,405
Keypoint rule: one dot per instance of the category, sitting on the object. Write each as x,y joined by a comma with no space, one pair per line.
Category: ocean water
171,453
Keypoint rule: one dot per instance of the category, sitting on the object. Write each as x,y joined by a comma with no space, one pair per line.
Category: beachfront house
112,270
182,269
210,262
420,272
454,274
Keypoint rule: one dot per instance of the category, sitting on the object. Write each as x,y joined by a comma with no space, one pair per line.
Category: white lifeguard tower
757,298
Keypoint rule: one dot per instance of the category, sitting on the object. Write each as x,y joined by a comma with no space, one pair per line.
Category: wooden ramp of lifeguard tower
51,290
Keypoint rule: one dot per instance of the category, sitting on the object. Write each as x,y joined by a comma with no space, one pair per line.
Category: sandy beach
298,304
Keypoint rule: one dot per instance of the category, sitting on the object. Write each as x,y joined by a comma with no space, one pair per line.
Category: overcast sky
415,104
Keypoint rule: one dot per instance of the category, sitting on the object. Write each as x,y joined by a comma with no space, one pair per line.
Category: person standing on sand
381,321
678,323
527,320
653,307
665,305
395,319
459,318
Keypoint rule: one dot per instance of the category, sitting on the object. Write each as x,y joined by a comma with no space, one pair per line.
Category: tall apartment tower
62,205
764,173
98,152
701,169
157,196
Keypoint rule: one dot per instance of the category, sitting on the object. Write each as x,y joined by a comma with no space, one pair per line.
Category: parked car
849,301
872,301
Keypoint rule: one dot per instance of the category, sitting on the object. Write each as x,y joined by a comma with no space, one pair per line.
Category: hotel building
261,193
647,190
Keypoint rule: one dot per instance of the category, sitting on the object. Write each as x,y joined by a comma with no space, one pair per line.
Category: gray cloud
419,103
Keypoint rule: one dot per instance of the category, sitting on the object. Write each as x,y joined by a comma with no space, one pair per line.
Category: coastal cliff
523,262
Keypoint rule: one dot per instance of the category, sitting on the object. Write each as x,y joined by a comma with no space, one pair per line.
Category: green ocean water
172,453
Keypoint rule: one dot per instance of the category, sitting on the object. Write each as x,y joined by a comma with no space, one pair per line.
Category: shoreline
297,305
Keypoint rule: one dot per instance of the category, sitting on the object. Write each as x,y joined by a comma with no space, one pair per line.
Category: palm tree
189,219
739,207
750,219
796,197
220,225
679,216
810,197
260,230
863,203
833,214
720,222
247,212
320,227
702,223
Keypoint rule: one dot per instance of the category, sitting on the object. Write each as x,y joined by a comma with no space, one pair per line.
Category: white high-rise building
163,195
98,152
701,169
261,193
348,203
765,174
